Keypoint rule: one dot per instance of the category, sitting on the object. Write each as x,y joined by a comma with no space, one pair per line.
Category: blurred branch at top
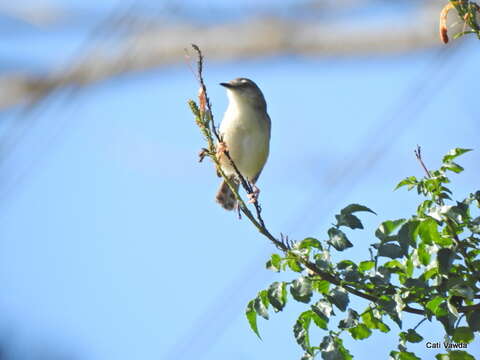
155,36
468,13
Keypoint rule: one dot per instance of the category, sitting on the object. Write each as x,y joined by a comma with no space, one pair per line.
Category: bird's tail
225,196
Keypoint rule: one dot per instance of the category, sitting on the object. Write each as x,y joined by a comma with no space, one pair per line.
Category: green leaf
454,153
339,297
423,254
434,306
261,306
322,260
274,263
294,265
353,208
349,220
323,310
452,167
374,321
428,231
360,332
455,355
411,336
252,318
322,286
411,181
301,330
463,334
366,265
307,356
277,295
338,239
445,259
462,290
473,320
301,289
332,349
310,242
392,251
350,321
406,235
387,227
345,264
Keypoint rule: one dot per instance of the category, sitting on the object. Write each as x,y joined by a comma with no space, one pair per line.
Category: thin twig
420,323
418,155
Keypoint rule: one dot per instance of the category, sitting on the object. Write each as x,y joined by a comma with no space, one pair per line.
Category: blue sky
113,247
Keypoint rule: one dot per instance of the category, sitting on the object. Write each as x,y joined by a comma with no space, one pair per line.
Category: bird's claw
221,149
253,196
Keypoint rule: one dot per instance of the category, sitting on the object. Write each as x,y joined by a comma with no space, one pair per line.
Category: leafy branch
426,264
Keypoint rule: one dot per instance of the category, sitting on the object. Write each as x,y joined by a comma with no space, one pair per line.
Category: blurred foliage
468,11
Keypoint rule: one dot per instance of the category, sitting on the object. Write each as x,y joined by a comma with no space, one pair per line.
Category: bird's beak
227,85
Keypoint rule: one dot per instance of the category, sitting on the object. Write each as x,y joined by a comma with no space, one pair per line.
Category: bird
245,133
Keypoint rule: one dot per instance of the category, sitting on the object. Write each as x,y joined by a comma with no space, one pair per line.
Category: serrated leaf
301,330
434,305
332,349
366,265
463,334
411,336
344,264
360,332
445,259
294,265
374,322
310,242
251,315
322,286
349,220
339,297
323,310
301,289
411,181
322,260
260,307
350,321
338,239
277,295
274,263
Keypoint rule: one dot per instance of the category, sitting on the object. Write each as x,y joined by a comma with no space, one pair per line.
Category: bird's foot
253,196
221,149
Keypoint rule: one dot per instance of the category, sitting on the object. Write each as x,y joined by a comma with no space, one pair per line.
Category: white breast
246,132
